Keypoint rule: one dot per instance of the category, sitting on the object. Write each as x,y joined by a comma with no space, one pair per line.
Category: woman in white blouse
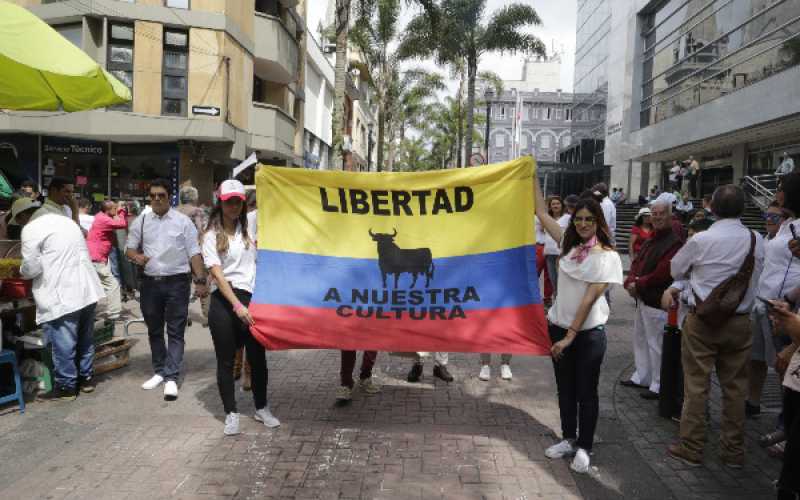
229,252
588,265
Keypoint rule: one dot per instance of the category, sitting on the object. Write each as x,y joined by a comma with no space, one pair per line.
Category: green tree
454,30
340,31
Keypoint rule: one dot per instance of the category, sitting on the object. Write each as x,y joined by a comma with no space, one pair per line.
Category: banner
429,261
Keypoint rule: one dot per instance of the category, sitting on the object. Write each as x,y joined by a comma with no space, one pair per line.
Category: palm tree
457,31
341,28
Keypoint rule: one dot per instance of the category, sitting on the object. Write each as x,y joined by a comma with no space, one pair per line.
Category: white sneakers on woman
153,382
231,424
565,448
265,416
505,372
486,373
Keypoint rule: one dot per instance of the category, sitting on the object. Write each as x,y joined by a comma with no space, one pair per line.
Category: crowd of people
728,293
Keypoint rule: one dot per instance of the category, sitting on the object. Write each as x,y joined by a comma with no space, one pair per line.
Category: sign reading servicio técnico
432,261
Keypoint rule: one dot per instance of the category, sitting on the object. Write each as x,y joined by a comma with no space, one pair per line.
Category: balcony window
177,4
269,7
120,57
174,88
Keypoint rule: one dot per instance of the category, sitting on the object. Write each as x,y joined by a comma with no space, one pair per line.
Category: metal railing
761,189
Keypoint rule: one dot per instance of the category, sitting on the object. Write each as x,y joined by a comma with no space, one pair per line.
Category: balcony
271,130
276,50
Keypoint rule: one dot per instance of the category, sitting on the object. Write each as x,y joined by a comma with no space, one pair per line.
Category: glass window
84,161
72,32
174,87
120,57
178,4
133,166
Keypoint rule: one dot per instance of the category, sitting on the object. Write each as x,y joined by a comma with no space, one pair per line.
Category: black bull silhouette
395,260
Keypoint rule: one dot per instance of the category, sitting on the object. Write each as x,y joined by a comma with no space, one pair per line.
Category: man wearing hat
21,211
647,280
66,290
165,243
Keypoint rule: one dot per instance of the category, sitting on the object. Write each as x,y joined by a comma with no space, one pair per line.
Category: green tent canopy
42,70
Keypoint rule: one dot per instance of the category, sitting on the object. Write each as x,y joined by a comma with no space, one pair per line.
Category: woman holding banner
229,252
588,265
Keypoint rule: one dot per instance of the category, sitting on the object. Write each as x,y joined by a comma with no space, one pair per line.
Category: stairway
626,215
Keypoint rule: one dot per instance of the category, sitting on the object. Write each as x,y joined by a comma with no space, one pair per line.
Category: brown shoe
733,463
677,452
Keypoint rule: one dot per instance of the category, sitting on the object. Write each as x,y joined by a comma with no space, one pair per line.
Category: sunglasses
773,218
584,220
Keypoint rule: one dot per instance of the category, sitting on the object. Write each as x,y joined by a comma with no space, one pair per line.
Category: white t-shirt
781,269
541,234
86,221
601,266
550,245
610,213
238,263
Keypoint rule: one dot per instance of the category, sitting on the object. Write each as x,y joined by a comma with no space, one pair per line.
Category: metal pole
488,128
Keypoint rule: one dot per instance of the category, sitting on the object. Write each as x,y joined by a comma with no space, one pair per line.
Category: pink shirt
101,236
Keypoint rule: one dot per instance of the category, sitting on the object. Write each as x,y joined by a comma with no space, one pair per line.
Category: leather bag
722,302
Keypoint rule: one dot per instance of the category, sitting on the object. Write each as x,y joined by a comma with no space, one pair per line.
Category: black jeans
163,302
577,376
789,482
229,333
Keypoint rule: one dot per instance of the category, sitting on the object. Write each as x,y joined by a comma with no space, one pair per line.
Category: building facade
319,93
716,80
212,81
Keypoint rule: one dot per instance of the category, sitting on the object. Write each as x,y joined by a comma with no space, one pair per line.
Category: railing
761,189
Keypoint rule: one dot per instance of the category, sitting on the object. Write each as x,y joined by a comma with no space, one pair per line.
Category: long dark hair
215,224
571,236
550,200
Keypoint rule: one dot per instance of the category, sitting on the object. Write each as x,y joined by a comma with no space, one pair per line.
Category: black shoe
441,372
631,383
772,438
751,410
649,395
415,373
86,385
60,394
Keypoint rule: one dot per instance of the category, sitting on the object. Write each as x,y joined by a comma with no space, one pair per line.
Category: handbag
723,300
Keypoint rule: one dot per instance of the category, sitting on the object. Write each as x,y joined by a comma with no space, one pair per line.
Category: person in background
552,248
20,206
440,370
654,192
60,200
640,232
101,241
541,263
675,176
165,243
615,196
698,215
693,175
787,165
706,261
707,207
609,209
647,280
587,267
188,197
28,189
684,206
66,290
366,382
229,254
781,274
622,197
85,219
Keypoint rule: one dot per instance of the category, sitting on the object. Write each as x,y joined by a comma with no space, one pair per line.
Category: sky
557,30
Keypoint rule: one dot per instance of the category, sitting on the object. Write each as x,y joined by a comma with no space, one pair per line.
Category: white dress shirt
601,266
55,257
781,269
610,213
86,221
551,247
170,241
710,257
238,263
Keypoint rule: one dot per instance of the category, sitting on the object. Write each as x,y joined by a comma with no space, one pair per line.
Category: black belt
171,277
693,310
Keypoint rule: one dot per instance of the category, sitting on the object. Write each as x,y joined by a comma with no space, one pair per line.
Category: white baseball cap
232,189
22,205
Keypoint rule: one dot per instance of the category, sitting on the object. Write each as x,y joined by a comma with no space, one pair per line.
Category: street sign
205,110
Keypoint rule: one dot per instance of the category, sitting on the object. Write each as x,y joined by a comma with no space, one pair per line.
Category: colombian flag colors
431,261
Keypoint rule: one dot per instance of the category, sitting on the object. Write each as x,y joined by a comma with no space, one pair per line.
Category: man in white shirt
85,219
609,209
66,290
166,244
707,260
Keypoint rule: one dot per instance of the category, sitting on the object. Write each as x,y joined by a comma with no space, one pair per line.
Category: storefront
133,166
19,157
84,161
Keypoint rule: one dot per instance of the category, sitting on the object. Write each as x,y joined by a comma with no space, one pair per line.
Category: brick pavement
468,439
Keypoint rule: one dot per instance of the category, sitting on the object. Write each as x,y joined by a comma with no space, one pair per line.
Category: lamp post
488,94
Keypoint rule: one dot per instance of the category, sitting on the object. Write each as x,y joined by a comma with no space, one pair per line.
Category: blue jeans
113,263
72,339
166,302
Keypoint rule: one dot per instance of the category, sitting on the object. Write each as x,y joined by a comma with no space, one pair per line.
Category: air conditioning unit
329,48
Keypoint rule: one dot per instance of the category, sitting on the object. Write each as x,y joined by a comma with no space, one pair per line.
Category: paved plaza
468,439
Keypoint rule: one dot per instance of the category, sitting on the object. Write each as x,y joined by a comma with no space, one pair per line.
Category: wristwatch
199,281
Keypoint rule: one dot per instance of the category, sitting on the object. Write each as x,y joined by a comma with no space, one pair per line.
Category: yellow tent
42,70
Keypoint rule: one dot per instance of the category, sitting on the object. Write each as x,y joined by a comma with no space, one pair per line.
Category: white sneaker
231,424
486,373
171,390
505,372
562,449
580,463
369,386
263,415
343,394
154,382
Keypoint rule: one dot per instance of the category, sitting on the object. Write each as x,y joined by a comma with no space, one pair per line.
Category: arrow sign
205,110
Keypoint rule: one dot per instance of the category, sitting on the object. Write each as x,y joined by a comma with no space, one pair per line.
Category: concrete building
319,85
541,110
716,80
212,81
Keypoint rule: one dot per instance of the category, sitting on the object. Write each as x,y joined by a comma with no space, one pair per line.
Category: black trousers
789,482
670,398
229,333
577,378
166,302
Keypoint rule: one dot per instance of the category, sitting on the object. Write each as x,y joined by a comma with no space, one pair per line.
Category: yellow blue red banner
429,261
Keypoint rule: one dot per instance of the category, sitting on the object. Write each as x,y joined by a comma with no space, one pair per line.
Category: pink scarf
582,250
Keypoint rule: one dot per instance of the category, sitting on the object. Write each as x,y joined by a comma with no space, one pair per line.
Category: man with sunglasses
165,243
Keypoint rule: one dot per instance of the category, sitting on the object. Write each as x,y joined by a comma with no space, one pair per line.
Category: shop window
133,166
86,162
120,58
174,88
269,7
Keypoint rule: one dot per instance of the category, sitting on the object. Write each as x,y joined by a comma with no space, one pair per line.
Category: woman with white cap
642,230
229,252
